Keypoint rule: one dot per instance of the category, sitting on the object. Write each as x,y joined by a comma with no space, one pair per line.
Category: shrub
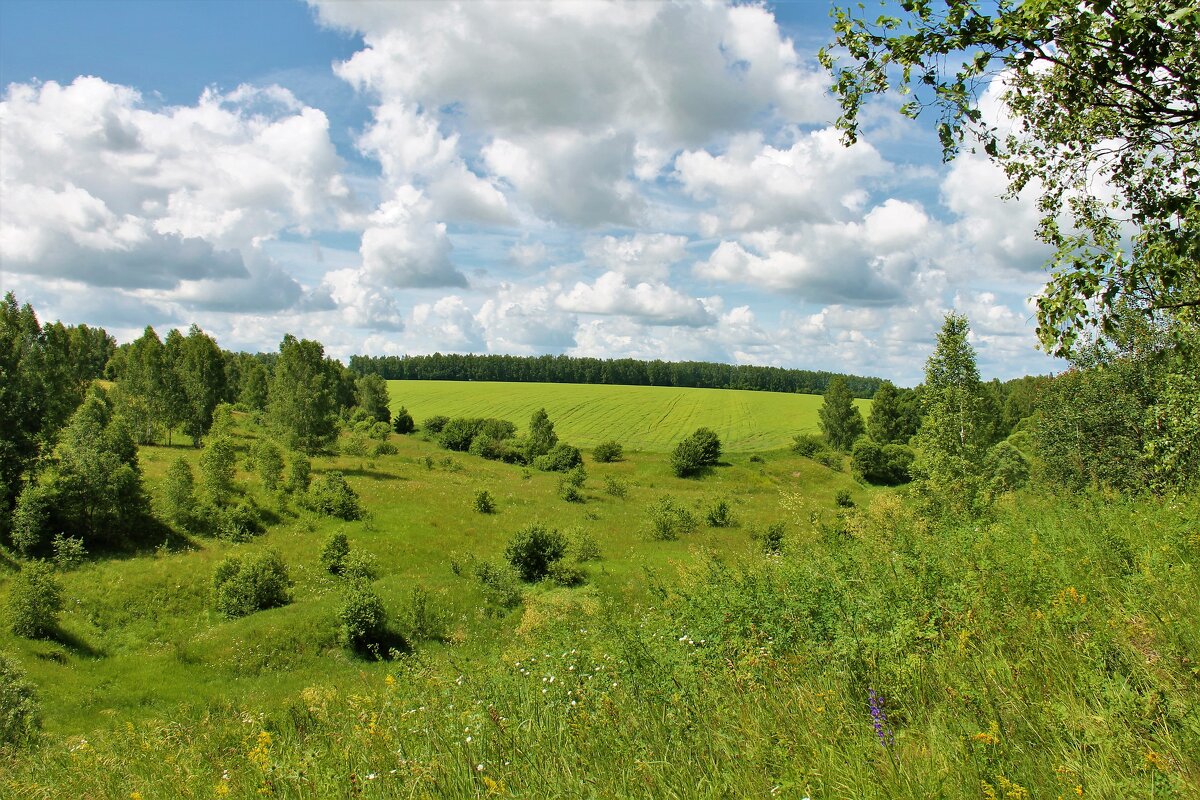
757,459
179,494
268,463
435,424
331,495
19,710
1007,467
334,553
565,574
771,538
560,458
484,502
360,567
487,446
30,518
384,449
687,458
34,601
354,446
886,466
299,473
584,546
710,447
500,583
533,549
831,459
668,520
239,522
719,515
808,445
403,423
362,618
571,483
69,551
843,499
217,463
242,586
616,487
426,619
458,433
607,452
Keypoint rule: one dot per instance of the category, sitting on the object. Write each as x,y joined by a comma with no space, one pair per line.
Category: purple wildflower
879,718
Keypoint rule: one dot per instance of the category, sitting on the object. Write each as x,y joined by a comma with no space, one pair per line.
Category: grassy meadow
1046,650
649,418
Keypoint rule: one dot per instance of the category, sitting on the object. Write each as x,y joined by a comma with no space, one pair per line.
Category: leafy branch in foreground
1104,98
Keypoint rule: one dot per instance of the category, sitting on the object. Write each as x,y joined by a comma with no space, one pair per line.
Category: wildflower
1157,761
879,718
221,789
479,767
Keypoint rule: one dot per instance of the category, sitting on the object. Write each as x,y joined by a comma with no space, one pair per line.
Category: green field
649,418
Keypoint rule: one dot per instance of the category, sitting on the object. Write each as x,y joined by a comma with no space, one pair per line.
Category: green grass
650,418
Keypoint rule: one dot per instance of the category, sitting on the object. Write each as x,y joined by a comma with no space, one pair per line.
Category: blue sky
641,179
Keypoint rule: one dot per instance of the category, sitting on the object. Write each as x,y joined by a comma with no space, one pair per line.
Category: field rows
650,418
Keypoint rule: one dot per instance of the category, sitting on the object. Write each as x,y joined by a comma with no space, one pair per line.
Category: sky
624,179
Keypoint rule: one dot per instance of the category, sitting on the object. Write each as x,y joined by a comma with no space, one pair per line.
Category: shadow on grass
76,644
362,472
8,563
388,647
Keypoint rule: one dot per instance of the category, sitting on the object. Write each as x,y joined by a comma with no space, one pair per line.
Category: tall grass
1050,650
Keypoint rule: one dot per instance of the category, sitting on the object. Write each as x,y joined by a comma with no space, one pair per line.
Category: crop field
648,418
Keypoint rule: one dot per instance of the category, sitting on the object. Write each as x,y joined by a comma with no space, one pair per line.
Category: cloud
648,256
101,189
652,303
403,247
522,319
448,325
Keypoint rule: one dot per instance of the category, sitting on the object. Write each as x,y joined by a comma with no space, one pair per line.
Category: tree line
612,371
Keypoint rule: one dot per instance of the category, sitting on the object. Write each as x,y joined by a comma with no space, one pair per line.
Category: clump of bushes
719,515
299,473
533,549
334,553
484,502
425,618
331,495
69,551
771,538
696,452
362,620
560,458
571,484
20,714
268,463
843,499
34,601
886,465
615,487
607,452
669,520
243,585
500,584
567,575
811,445
238,522
434,425
584,546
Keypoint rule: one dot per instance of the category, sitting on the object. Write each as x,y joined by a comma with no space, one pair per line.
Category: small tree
542,437
687,458
217,468
362,618
710,447
334,553
607,452
841,422
20,715
268,462
299,473
668,520
333,496
34,601
242,586
533,549
372,396
402,422
30,518
484,502
179,494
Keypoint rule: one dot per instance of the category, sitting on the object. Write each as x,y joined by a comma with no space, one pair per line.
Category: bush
584,546
831,459
179,494
533,549
435,424
384,449
362,618
710,447
843,499
331,495
484,502
1007,468
571,484
403,423
299,473
668,519
458,433
19,710
217,465
242,586
616,487
426,619
771,538
268,463
334,553
69,551
808,445
34,601
884,466
565,574
500,584
687,458
719,515
236,523
354,445
560,458
607,452
30,518
360,567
